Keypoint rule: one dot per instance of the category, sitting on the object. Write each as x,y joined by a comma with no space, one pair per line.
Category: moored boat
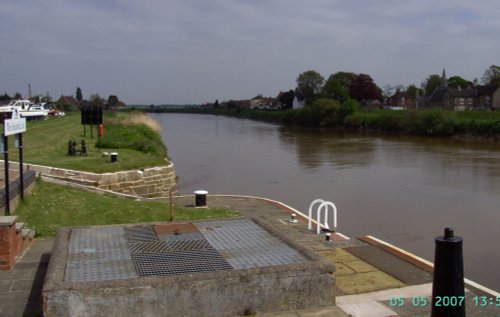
27,109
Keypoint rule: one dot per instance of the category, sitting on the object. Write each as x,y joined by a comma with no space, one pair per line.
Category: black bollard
448,295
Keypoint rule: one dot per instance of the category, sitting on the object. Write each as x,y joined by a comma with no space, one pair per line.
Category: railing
323,206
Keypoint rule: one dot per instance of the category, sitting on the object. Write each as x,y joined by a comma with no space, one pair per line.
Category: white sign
15,125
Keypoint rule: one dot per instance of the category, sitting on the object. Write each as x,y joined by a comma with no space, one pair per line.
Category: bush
429,122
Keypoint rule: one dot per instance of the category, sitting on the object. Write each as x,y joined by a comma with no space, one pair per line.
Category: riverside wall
147,182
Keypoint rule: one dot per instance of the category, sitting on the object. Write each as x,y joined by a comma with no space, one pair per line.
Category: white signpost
15,125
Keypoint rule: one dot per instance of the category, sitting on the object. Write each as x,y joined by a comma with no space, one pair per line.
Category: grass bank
136,140
51,206
429,122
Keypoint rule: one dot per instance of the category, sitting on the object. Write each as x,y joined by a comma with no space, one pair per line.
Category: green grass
51,206
46,143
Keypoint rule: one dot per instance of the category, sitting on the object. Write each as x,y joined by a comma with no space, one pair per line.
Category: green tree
414,91
78,94
431,83
309,83
324,111
348,107
457,81
96,100
491,75
334,89
286,99
112,101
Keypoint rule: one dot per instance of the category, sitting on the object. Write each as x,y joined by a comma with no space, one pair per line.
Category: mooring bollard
200,198
328,236
448,285
114,157
293,218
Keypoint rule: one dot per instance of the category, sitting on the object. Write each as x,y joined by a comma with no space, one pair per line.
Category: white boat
27,109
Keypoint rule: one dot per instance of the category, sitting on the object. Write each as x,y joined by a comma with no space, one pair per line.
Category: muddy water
404,190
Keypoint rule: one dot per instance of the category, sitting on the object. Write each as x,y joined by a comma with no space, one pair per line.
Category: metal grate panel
138,234
96,254
180,262
149,247
181,237
245,245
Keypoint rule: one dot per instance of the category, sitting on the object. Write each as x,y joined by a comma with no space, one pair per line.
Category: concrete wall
148,182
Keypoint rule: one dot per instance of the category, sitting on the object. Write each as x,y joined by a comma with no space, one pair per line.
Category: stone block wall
148,182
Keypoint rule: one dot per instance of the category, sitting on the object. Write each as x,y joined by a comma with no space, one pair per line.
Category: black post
6,167
21,172
448,285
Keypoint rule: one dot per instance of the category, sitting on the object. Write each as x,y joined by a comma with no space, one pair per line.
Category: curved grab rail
314,202
324,205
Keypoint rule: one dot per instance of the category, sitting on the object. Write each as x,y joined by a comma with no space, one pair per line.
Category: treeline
347,116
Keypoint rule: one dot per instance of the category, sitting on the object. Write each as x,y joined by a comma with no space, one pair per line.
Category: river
402,189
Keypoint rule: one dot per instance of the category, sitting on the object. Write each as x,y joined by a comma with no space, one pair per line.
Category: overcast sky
194,51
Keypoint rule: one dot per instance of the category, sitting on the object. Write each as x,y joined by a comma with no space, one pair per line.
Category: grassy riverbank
51,206
131,135
430,122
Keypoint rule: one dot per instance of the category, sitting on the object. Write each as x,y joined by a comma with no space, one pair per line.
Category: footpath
370,282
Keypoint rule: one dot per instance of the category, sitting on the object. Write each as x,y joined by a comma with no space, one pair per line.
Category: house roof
487,89
438,95
463,93
68,100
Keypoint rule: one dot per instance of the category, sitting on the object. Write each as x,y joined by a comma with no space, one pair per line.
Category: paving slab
386,262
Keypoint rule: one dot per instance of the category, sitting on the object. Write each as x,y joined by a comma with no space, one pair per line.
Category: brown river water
402,189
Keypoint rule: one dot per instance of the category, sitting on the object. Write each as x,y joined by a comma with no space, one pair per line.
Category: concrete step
19,226
28,233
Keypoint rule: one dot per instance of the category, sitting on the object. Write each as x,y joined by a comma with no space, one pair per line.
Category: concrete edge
420,262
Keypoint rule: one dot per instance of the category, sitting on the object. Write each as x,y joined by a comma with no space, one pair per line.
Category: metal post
171,204
448,284
21,172
6,167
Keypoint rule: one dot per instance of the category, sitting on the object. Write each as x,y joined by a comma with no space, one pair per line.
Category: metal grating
246,245
96,254
181,237
149,247
138,234
169,246
180,262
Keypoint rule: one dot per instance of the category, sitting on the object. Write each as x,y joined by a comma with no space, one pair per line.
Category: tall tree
309,83
286,99
112,101
414,91
78,94
431,83
96,100
491,75
335,89
362,87
457,81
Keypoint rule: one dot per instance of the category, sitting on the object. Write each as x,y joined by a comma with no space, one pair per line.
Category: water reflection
315,149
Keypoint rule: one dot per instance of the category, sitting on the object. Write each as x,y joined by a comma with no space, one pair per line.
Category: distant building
298,103
402,99
474,97
68,102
